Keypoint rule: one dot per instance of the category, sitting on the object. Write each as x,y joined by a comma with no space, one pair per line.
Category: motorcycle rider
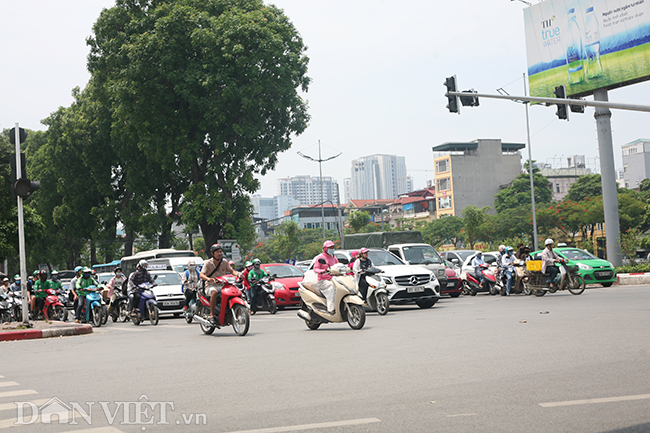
73,287
114,283
325,284
254,275
244,278
477,261
190,282
40,286
361,264
141,275
82,284
15,287
506,262
56,284
212,269
549,259
5,286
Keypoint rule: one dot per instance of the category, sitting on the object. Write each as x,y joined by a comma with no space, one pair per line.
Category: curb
633,278
29,334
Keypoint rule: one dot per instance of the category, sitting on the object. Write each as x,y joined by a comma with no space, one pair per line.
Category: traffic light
469,100
22,187
12,135
450,83
562,111
577,108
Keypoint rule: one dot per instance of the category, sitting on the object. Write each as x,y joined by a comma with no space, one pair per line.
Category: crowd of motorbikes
527,282
234,304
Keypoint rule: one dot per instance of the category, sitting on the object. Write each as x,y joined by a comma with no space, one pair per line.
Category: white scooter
349,306
377,295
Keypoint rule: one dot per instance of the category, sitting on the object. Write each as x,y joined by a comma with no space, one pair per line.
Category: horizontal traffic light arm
555,101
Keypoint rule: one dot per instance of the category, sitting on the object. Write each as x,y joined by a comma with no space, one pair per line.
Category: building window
444,202
442,165
557,187
625,168
443,184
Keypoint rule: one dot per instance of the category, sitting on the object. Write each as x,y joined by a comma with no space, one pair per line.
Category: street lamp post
320,160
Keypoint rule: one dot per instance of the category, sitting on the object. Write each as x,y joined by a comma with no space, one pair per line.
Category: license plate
415,289
170,303
603,273
451,285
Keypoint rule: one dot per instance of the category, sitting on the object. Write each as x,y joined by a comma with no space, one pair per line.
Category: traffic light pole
21,235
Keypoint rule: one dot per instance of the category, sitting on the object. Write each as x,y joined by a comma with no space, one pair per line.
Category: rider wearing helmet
15,287
549,259
190,281
477,263
248,266
325,284
254,275
506,262
212,269
141,275
83,283
362,263
40,286
56,284
73,287
116,282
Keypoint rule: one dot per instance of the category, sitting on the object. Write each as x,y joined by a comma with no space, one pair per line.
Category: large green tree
473,219
588,185
204,91
518,193
443,230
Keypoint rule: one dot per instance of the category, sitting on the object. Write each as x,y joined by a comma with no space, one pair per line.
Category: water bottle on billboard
592,45
574,57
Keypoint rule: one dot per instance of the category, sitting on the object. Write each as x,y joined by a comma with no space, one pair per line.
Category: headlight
277,286
584,267
387,280
610,264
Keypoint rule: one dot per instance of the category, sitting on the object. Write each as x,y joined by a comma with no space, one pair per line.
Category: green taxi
592,269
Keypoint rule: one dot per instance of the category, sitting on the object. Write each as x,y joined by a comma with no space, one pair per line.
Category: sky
377,66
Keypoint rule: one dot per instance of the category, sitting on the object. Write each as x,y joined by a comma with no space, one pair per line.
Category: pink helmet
354,253
327,245
363,250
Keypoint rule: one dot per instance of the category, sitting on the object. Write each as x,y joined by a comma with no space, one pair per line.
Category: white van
178,264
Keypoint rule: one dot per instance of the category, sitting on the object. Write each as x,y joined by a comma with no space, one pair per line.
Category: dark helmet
215,247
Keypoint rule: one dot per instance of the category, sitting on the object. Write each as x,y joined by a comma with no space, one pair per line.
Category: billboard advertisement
586,45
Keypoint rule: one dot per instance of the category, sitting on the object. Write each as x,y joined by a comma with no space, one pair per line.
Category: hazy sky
377,68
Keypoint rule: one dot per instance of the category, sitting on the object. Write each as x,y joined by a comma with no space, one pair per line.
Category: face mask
330,251
191,268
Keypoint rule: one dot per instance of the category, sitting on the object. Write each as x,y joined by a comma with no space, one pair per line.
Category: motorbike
349,306
471,285
192,306
265,295
570,280
232,309
120,306
16,301
94,310
377,295
147,308
53,308
519,280
5,308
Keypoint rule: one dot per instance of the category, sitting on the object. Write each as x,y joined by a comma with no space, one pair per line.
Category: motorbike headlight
584,267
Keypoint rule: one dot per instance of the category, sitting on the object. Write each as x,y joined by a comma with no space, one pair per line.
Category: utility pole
21,232
320,161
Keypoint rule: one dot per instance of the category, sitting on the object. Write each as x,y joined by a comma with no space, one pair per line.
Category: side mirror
322,261
344,261
155,277
454,261
274,276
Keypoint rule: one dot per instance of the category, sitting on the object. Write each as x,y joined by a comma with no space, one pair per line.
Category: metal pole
21,233
322,203
608,179
338,206
530,171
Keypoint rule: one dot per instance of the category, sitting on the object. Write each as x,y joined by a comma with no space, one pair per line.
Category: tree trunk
93,252
128,241
211,234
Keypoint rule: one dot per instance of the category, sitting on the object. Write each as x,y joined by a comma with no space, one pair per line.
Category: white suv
405,283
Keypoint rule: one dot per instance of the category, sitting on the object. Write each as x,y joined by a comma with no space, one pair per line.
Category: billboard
586,45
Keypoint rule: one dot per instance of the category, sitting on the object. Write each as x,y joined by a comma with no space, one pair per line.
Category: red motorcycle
471,284
233,310
53,308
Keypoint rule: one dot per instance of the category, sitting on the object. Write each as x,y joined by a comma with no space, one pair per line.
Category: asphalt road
560,363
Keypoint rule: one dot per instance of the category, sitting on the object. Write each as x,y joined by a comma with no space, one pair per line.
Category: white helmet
191,262
502,248
548,242
143,264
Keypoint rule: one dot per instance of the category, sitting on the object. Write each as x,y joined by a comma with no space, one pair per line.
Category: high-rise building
264,207
307,189
636,162
378,177
347,189
473,173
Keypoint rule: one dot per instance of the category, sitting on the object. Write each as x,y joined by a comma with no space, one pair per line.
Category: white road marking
11,422
3,384
462,414
17,393
9,406
596,400
97,430
312,426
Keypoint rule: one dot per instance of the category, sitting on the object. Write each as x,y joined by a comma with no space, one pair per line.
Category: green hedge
627,269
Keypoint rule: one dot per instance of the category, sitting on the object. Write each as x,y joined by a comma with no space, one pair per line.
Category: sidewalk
42,329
